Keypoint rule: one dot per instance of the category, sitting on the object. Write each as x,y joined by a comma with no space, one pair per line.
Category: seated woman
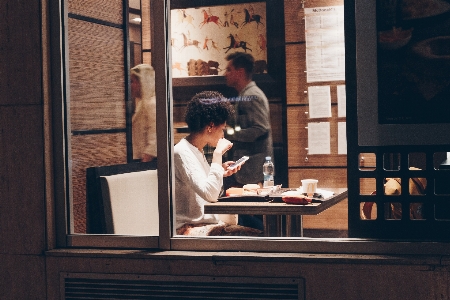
197,182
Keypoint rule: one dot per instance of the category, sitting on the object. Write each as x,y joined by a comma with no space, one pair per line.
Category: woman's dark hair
205,108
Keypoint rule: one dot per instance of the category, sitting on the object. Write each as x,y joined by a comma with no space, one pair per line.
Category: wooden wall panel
147,58
319,3
96,73
105,10
276,121
298,140
146,24
334,218
89,151
330,177
295,74
137,54
134,31
294,22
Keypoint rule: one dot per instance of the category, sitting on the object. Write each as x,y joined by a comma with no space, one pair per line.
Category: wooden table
276,213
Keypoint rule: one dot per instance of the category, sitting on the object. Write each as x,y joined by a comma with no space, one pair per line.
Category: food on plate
251,186
264,191
295,197
394,38
298,199
234,191
251,189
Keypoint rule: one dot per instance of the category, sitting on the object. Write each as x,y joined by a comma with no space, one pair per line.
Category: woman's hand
228,172
223,145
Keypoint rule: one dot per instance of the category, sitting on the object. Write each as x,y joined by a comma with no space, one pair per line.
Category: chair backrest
95,212
130,202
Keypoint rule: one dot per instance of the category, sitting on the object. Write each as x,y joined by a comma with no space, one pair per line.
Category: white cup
309,186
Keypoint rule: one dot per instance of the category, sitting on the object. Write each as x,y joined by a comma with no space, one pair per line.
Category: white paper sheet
342,138
325,45
319,138
319,101
342,99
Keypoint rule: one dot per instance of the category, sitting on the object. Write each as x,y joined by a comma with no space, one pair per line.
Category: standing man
252,133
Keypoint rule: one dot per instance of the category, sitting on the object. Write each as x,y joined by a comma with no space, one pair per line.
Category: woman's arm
192,173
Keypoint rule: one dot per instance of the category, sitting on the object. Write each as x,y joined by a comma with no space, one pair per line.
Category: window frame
165,241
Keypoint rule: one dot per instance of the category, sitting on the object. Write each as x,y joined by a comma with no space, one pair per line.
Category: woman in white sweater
197,182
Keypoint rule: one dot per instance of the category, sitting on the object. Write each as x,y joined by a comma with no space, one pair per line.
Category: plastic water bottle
268,171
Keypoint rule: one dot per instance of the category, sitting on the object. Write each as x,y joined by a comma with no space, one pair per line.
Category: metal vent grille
199,288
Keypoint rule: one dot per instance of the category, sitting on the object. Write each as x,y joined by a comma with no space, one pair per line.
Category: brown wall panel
96,73
276,122
294,22
105,10
319,3
137,54
147,58
146,23
334,218
330,177
295,74
134,31
89,151
298,140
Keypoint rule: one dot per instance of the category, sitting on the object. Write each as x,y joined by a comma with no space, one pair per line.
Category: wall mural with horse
201,37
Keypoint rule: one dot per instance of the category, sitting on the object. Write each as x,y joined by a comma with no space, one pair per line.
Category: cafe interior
357,96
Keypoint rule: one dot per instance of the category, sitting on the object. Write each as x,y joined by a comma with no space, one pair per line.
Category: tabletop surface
275,208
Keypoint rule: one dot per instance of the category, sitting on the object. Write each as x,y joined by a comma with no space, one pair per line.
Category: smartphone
240,161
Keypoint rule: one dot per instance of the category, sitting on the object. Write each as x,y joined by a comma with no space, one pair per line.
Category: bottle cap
268,158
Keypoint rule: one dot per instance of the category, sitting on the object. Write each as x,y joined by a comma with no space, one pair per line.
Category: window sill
255,257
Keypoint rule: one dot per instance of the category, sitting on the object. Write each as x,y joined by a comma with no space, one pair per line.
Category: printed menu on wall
325,44
319,101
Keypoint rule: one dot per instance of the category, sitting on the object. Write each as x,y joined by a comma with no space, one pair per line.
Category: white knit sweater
196,183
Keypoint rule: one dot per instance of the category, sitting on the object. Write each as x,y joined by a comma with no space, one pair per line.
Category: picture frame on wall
204,32
201,37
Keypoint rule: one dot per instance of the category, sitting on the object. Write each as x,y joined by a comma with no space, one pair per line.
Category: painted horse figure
251,18
236,44
188,42
207,18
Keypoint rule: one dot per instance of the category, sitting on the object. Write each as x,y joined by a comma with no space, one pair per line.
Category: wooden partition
330,169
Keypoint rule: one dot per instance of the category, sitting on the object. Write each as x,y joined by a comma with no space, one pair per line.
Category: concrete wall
22,209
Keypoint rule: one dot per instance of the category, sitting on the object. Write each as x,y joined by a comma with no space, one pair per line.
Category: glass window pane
111,117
